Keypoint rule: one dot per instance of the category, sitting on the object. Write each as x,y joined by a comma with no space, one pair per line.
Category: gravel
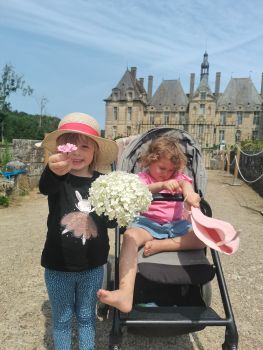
25,322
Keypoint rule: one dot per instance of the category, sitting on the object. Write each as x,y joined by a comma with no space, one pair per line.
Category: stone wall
33,157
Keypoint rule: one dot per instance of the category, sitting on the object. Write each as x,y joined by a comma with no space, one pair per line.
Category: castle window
129,114
130,95
114,132
115,113
181,117
202,108
222,118
256,118
221,135
254,135
128,131
239,120
200,129
238,136
166,118
203,95
151,119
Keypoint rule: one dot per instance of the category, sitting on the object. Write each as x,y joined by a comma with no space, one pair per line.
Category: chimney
141,82
133,72
192,85
217,84
262,85
150,86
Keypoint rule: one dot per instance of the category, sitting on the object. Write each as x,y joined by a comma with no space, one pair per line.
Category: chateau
212,117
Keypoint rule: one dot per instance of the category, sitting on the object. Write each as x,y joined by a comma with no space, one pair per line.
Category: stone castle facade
212,118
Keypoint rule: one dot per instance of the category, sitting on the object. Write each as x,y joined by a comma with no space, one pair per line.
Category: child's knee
132,236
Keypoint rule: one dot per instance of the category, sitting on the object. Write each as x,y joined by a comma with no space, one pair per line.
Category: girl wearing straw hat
77,243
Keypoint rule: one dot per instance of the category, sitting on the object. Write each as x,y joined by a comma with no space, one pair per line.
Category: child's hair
74,138
167,147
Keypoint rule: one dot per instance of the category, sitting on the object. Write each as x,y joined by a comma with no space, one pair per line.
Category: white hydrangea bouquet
119,195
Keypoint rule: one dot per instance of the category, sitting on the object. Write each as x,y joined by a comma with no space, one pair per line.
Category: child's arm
170,185
191,197
54,173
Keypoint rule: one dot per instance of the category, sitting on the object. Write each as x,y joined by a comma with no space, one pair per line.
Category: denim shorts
161,231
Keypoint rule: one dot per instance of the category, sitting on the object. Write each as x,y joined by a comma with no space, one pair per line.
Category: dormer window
202,95
115,94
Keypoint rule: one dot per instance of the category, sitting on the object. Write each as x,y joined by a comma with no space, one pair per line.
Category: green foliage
4,201
19,125
252,145
6,155
10,83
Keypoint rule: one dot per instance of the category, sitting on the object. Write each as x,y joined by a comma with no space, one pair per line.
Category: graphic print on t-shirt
80,223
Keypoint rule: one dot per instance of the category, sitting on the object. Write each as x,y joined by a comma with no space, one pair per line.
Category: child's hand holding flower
60,163
120,196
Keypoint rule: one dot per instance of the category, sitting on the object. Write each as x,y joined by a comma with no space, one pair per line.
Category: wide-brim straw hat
216,234
84,124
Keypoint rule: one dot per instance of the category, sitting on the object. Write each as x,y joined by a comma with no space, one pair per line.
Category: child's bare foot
116,298
152,247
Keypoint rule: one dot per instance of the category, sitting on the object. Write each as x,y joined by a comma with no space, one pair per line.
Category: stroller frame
182,319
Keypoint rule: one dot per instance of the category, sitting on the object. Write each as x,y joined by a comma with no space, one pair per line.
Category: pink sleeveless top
162,211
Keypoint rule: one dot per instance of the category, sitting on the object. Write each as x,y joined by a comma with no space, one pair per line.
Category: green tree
10,83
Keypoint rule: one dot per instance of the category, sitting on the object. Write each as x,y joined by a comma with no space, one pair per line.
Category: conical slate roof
240,91
169,93
128,82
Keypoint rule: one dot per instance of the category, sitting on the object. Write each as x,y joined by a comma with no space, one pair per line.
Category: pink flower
67,148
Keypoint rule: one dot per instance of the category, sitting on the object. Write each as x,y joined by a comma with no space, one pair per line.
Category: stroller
172,292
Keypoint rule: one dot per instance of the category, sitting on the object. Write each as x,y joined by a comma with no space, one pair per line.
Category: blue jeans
162,231
73,293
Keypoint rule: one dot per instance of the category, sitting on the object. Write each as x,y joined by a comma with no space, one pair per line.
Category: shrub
4,201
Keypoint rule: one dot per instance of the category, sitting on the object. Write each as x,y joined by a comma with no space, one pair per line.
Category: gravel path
24,308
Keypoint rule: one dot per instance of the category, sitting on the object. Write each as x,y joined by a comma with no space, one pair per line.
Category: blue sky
74,52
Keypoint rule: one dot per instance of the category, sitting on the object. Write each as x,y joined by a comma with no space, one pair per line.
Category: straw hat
216,234
84,124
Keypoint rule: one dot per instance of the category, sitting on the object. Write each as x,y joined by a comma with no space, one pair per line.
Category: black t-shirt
67,246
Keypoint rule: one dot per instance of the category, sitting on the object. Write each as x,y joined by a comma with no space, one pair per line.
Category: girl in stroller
161,228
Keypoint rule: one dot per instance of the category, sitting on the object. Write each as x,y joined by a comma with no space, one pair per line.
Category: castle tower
204,67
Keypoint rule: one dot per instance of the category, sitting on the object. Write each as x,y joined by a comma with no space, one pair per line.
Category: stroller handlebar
177,197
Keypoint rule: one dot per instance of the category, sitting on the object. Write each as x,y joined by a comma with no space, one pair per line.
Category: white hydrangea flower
120,195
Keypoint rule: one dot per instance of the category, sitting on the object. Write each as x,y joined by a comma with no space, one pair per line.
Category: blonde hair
164,147
75,138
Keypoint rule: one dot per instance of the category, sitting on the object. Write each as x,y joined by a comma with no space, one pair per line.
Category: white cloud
163,38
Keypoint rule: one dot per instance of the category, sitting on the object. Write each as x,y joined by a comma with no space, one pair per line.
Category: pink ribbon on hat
79,127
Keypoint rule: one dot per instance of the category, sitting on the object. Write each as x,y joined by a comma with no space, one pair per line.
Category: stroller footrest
181,315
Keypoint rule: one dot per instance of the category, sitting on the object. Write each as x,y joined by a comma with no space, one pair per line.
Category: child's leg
189,241
88,282
122,298
61,290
